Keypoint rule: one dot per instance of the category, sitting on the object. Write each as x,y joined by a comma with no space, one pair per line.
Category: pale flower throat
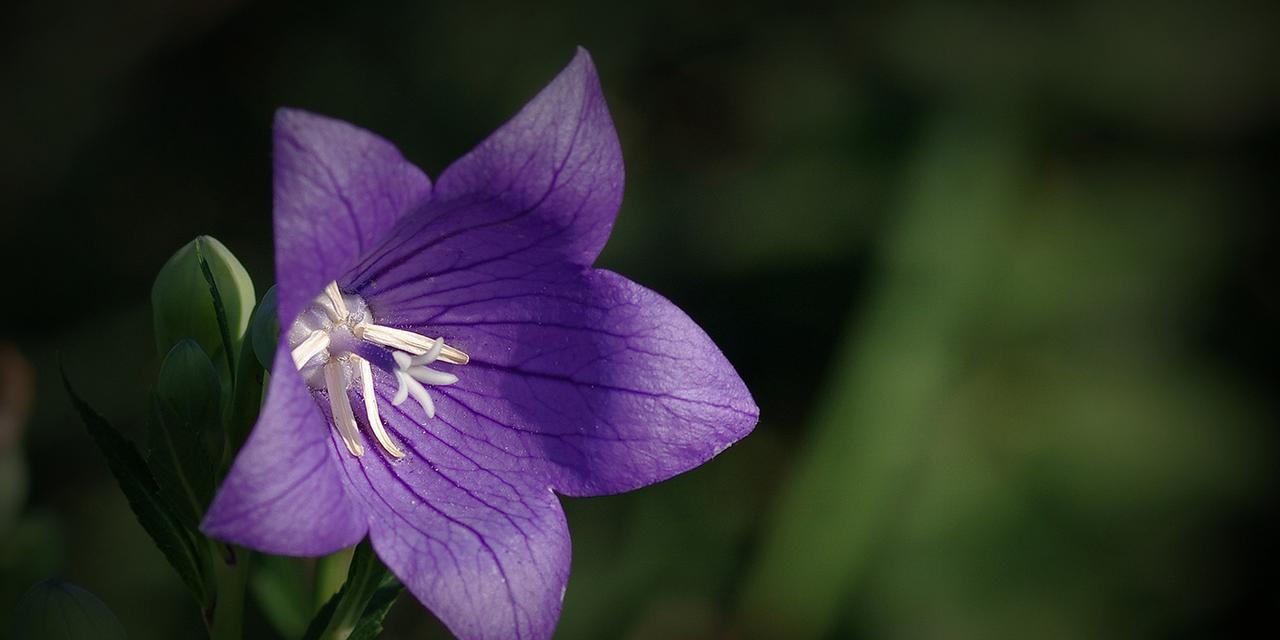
333,341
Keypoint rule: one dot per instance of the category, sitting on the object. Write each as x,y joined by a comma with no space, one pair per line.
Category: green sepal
183,547
203,293
56,610
184,431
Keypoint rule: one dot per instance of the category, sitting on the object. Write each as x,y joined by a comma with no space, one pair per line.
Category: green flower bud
56,610
184,431
189,384
183,307
265,330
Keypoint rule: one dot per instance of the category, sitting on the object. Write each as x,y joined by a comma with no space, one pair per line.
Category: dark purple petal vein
554,172
472,534
607,382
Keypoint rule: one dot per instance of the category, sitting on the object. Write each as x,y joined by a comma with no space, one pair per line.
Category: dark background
995,273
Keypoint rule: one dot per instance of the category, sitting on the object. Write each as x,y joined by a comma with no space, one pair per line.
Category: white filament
339,311
407,341
371,408
343,417
412,353
315,343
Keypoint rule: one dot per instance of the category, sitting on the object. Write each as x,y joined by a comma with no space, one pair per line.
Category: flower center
335,345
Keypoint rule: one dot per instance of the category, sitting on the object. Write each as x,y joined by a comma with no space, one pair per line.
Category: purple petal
286,492
338,190
550,177
465,525
608,383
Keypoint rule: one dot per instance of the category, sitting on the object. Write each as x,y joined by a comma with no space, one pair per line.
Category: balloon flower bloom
450,361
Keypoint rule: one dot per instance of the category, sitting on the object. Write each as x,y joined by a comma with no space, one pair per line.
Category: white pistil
339,311
411,374
343,417
371,408
411,387
407,341
431,376
315,343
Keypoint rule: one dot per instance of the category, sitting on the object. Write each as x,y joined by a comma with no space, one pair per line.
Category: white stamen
371,408
343,417
315,343
339,305
409,386
407,341
431,376
341,367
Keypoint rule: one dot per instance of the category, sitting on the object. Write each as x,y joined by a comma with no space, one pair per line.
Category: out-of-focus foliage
993,271
55,610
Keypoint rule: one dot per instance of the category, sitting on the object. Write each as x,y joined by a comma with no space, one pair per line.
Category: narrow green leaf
179,544
219,309
363,601
320,622
370,624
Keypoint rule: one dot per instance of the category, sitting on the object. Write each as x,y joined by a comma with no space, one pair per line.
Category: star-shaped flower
530,372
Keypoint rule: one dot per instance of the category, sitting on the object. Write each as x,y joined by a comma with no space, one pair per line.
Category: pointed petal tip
557,162
290,117
582,57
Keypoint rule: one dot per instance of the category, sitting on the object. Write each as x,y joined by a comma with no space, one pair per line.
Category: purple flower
451,361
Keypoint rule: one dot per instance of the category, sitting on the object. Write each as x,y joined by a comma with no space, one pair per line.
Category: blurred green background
995,273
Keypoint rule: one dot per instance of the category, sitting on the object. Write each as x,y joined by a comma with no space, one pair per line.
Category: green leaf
370,624
320,622
357,610
181,546
185,417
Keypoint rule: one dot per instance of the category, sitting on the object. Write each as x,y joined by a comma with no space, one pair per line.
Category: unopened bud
265,330
183,306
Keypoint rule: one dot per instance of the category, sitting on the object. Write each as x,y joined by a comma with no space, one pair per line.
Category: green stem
231,573
367,573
